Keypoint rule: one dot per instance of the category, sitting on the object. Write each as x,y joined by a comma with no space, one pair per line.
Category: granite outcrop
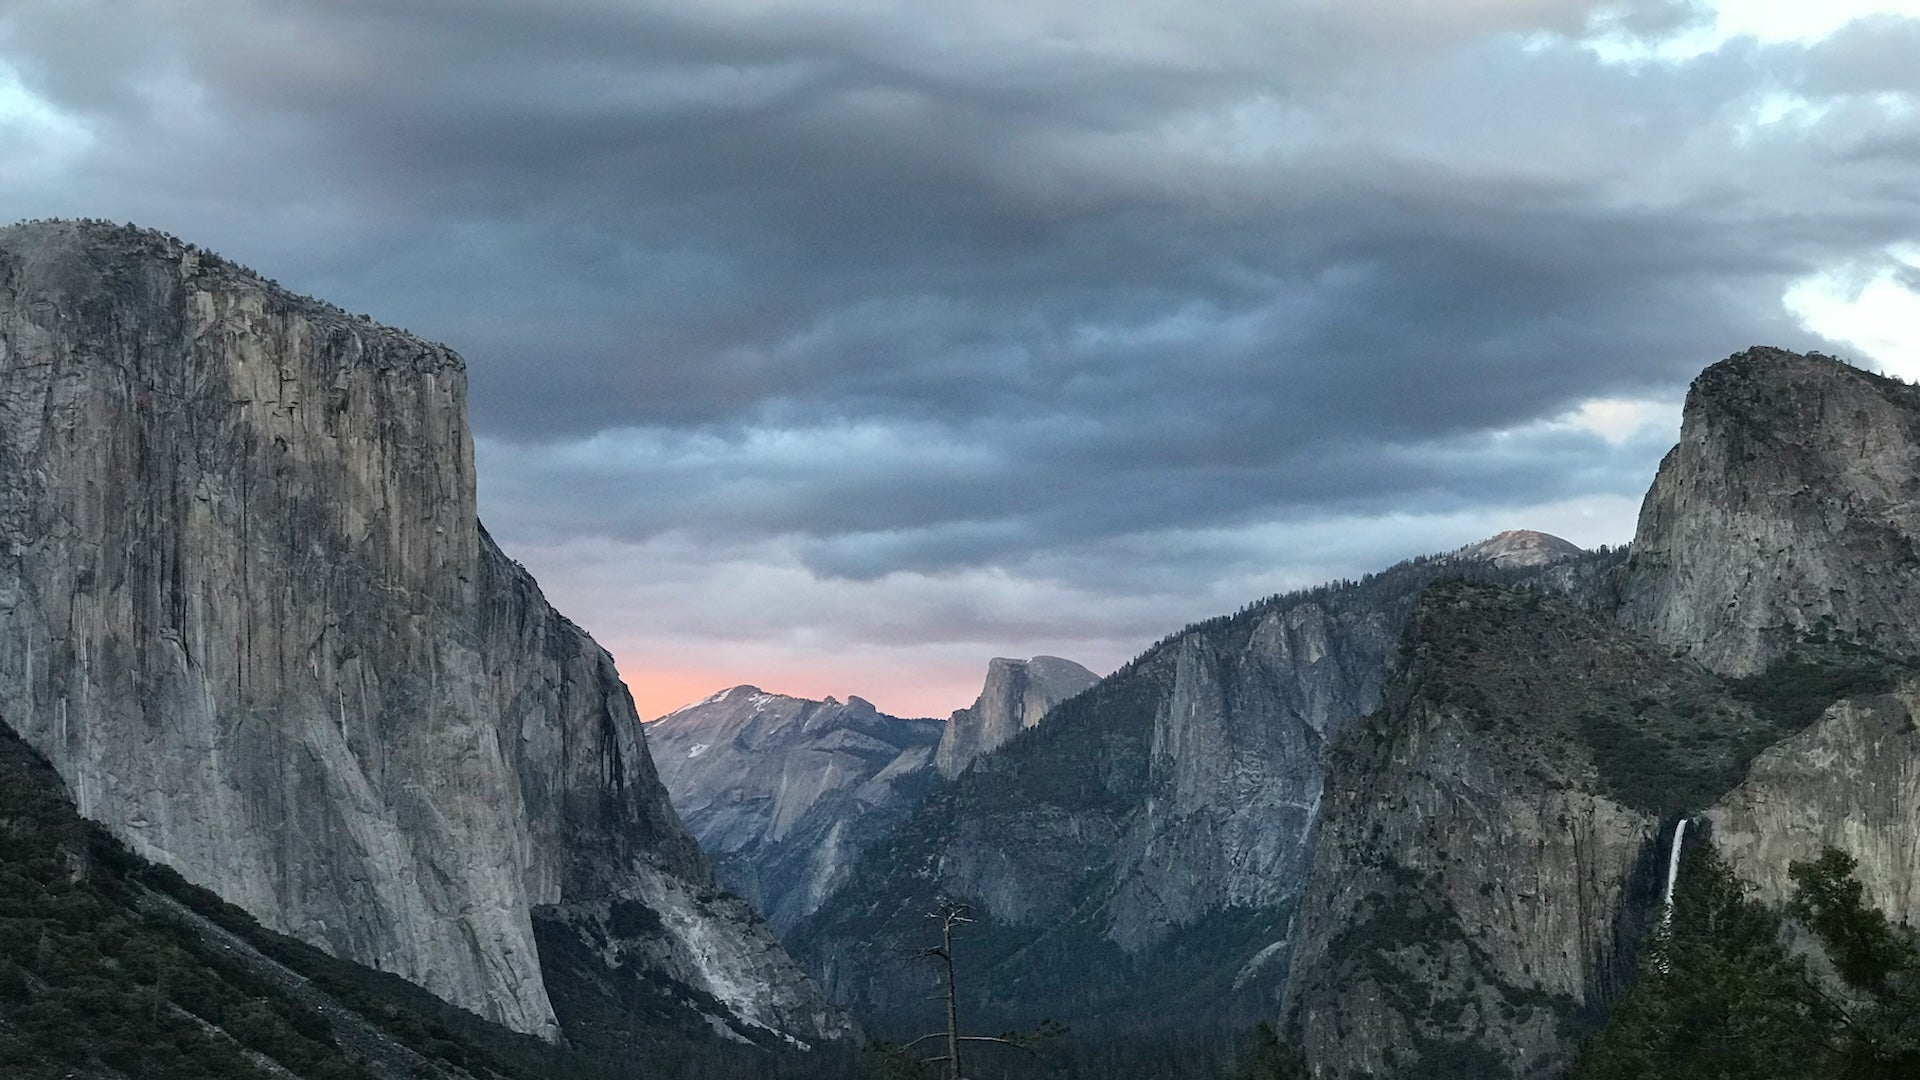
1790,509
1018,694
249,614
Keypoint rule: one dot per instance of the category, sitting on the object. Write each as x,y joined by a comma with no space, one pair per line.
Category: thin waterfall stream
1673,871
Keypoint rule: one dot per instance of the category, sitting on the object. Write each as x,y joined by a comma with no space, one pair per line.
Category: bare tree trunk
953,1011
950,915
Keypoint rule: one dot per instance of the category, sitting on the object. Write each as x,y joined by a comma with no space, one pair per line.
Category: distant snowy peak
1521,548
739,704
783,791
743,695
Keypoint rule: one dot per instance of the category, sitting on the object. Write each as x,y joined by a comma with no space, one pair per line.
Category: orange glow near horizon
658,691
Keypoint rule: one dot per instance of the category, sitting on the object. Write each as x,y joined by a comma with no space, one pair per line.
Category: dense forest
1730,988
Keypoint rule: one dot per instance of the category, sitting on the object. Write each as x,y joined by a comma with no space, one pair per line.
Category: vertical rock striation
247,611
1017,695
1489,850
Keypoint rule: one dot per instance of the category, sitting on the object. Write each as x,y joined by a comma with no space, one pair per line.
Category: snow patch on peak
710,699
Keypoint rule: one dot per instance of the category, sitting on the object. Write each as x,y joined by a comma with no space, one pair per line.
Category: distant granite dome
1518,548
1018,694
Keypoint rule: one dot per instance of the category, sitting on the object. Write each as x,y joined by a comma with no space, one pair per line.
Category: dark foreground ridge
112,967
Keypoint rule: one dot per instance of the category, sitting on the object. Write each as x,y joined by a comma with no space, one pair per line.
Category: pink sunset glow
918,688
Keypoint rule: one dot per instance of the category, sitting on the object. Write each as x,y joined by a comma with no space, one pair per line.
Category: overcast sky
838,345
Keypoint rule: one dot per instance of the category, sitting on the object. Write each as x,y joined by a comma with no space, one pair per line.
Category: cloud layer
841,344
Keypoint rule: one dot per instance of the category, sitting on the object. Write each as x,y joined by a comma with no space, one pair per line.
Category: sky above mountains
838,345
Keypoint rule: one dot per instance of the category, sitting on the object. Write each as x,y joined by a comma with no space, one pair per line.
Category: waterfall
1673,871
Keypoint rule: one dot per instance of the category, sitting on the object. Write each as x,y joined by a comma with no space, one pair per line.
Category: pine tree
1270,1058
1719,996
1876,1010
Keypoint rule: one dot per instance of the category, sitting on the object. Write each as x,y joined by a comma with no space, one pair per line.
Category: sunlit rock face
1790,507
1017,695
248,612
783,792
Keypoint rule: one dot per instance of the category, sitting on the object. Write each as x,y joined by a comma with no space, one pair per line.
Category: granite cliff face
1482,877
1790,507
1458,884
247,612
783,793
1136,858
1851,781
1017,695
1489,846
1782,528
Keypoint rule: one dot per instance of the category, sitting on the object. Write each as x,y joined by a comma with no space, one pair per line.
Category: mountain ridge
1165,811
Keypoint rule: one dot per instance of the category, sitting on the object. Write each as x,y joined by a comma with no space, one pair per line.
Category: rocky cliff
1850,781
783,793
1483,861
247,612
1135,859
1781,542
1017,695
1489,850
113,968
1790,508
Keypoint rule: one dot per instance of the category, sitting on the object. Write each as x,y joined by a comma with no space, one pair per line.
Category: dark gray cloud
1116,310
